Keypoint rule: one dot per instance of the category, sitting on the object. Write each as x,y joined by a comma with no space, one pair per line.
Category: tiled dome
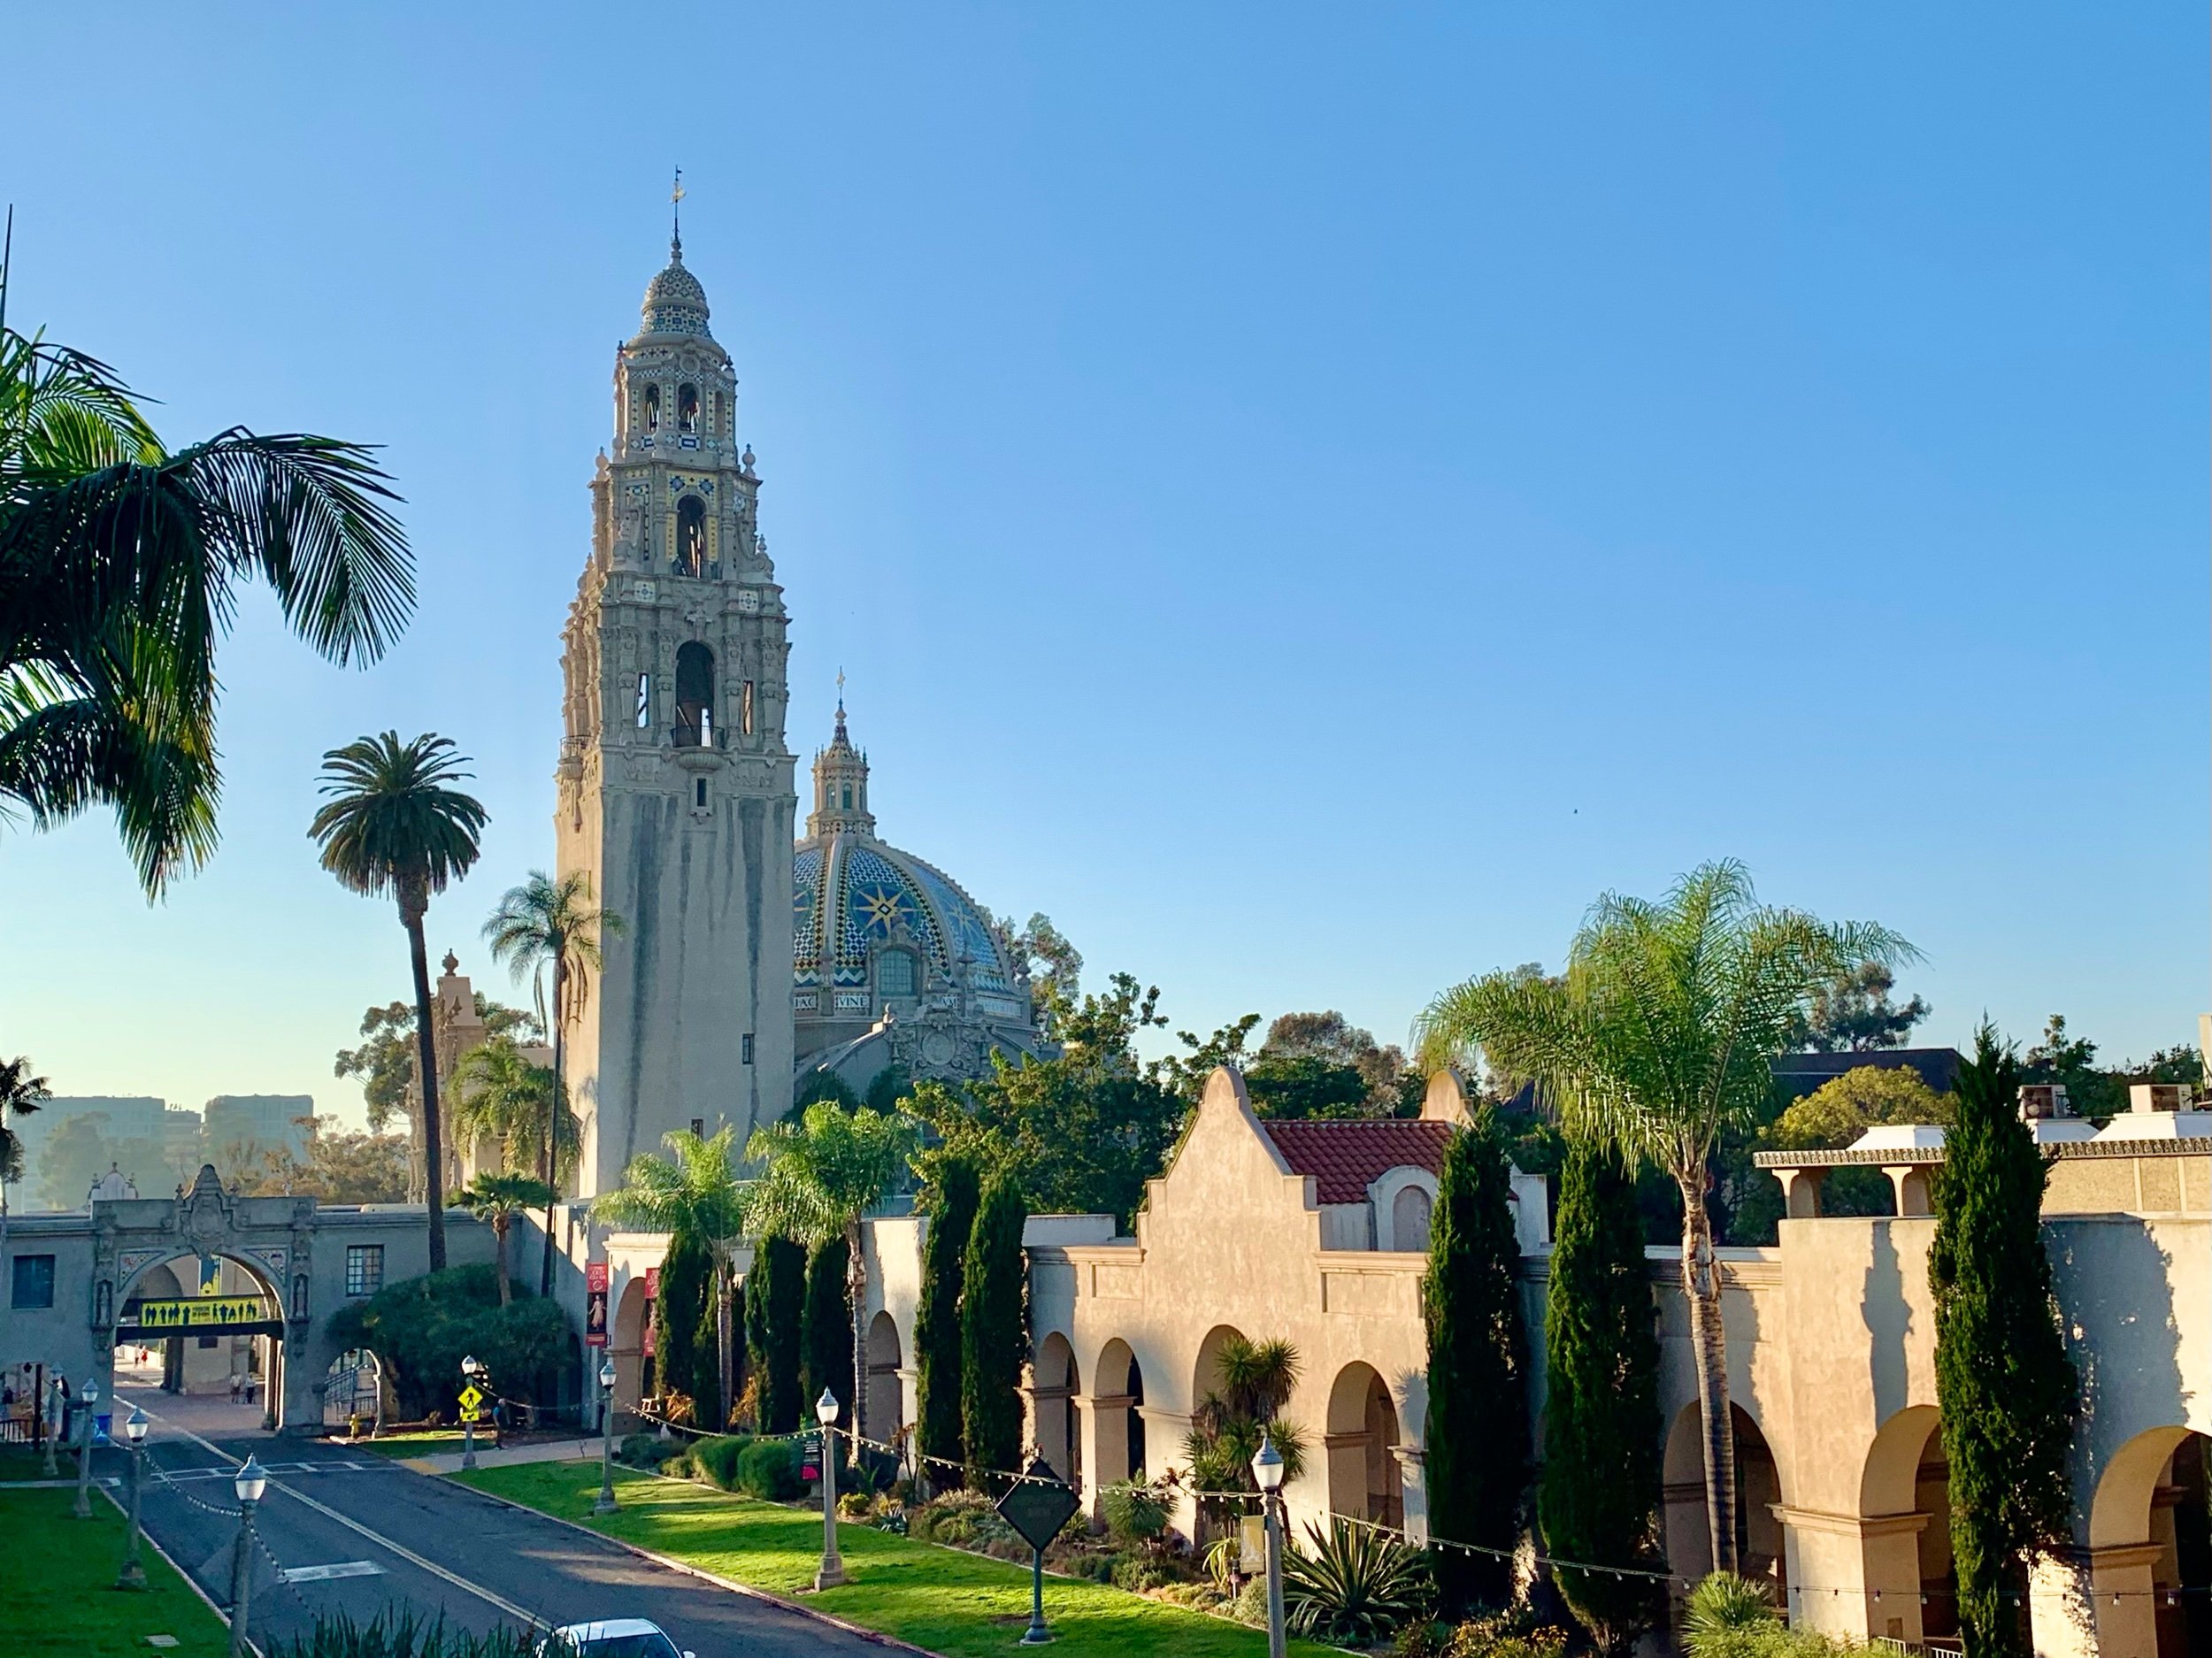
850,891
674,302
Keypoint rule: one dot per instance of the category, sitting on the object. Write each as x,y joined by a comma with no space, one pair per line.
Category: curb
190,1582
672,1563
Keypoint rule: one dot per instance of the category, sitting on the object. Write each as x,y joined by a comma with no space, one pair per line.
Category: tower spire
841,705
676,219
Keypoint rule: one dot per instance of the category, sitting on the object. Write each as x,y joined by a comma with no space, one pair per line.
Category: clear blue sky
1308,497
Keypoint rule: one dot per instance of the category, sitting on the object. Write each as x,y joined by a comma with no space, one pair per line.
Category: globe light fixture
1267,1465
606,1376
134,1429
825,1409
251,1480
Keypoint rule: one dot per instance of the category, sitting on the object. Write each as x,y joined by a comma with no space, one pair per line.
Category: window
686,407
745,708
691,536
33,1281
894,973
694,695
745,1048
652,408
644,700
699,793
365,1269
1409,1213
849,798
717,414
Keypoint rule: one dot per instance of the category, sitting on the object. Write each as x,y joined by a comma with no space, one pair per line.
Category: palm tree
120,563
20,1094
547,923
498,1199
1657,1041
819,1176
392,824
496,1092
692,1191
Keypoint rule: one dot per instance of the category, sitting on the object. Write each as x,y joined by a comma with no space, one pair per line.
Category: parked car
610,1638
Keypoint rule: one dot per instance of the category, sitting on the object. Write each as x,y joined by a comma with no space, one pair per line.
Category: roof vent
2040,1100
2160,1096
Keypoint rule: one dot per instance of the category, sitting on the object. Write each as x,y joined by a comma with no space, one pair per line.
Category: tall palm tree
20,1093
547,923
1657,1041
693,1191
819,1176
495,1092
497,1199
120,563
393,824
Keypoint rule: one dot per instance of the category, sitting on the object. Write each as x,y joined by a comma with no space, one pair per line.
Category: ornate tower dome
891,960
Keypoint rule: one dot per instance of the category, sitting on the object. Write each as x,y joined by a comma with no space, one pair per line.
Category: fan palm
547,923
692,1191
1657,1041
496,1198
819,1176
496,1093
120,563
392,824
20,1093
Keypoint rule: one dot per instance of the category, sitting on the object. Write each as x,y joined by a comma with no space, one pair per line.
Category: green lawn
961,1604
417,1442
62,1598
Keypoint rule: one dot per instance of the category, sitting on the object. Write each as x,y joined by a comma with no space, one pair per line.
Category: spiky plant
1353,1586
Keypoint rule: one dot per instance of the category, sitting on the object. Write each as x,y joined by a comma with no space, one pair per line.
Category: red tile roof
1345,1158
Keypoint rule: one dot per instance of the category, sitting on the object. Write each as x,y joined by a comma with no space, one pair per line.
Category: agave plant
1355,1585
401,1634
1726,1616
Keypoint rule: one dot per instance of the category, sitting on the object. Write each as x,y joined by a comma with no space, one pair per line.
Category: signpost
595,1304
1037,1507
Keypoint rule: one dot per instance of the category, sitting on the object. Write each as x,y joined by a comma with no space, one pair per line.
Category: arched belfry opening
650,410
686,407
694,696
691,536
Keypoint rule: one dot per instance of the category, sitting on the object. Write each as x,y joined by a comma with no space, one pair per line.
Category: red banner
652,1294
595,1304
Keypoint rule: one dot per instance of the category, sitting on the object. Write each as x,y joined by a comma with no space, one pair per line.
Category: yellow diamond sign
471,1396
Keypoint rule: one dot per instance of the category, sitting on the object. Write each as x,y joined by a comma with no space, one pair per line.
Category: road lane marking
324,1573
529,1618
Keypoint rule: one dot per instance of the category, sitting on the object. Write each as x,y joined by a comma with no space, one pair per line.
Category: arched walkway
1059,1419
1116,1421
1360,1444
1758,1492
2150,1534
1206,1372
1911,1585
244,1358
631,1379
884,1413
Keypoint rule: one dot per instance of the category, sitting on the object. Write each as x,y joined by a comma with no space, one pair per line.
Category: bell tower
675,787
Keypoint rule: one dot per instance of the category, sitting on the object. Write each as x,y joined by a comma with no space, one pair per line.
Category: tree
691,1191
553,924
1601,1421
2004,1384
775,1293
121,566
821,1083
496,1198
20,1094
684,1327
2071,1062
994,1335
339,1167
949,1203
1853,1013
385,1059
1306,1085
1477,1373
1186,1074
1335,1040
1256,1381
1829,1119
499,1094
826,1354
392,824
1658,1040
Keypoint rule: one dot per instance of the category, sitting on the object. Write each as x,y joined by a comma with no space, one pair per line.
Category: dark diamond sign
1039,1506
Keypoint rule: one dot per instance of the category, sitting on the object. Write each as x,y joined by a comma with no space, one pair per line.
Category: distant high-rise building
262,1119
128,1117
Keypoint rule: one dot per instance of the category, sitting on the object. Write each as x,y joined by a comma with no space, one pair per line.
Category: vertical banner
595,1304
652,1295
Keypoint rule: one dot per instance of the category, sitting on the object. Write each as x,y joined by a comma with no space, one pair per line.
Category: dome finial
676,220
840,704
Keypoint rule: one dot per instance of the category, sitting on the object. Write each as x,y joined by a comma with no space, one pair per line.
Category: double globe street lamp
1267,1472
133,1573
248,1483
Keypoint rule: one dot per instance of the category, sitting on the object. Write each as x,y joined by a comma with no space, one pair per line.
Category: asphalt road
398,1536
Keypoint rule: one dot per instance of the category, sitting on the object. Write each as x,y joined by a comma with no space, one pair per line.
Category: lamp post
133,1573
606,1503
83,1509
470,1369
1267,1469
250,1482
832,1568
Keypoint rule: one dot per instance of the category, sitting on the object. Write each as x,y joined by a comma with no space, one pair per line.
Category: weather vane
676,210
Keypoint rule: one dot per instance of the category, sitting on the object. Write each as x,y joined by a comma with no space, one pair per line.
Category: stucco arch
1366,1482
1758,1493
2120,1512
1059,1419
1888,1483
269,1290
1206,1371
1117,1427
630,1312
885,1396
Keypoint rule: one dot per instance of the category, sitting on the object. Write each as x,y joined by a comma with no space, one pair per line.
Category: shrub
716,1459
400,1634
1138,1573
1503,1637
1135,1512
1725,1614
423,1327
1095,1568
994,1341
957,1517
647,1450
1251,1606
769,1469
1355,1587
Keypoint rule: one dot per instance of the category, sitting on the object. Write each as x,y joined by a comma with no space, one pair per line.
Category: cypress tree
2004,1384
951,1207
681,1310
994,1335
1601,1423
1477,1433
827,1328
775,1301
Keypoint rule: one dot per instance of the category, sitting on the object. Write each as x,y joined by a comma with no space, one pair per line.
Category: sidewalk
543,1451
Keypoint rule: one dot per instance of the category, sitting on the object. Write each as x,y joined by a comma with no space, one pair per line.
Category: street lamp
133,1573
84,1510
833,1570
606,1503
250,1482
1267,1469
470,1369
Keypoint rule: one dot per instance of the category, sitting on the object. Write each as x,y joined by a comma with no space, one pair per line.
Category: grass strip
62,1601
951,1602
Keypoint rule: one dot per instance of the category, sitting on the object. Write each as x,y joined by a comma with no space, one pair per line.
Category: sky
1308,497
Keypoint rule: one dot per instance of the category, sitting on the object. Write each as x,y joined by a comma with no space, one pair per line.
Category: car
610,1638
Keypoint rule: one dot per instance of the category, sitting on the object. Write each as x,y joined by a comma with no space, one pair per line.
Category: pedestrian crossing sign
472,1398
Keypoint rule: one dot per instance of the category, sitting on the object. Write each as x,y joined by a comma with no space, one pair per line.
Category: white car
610,1638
